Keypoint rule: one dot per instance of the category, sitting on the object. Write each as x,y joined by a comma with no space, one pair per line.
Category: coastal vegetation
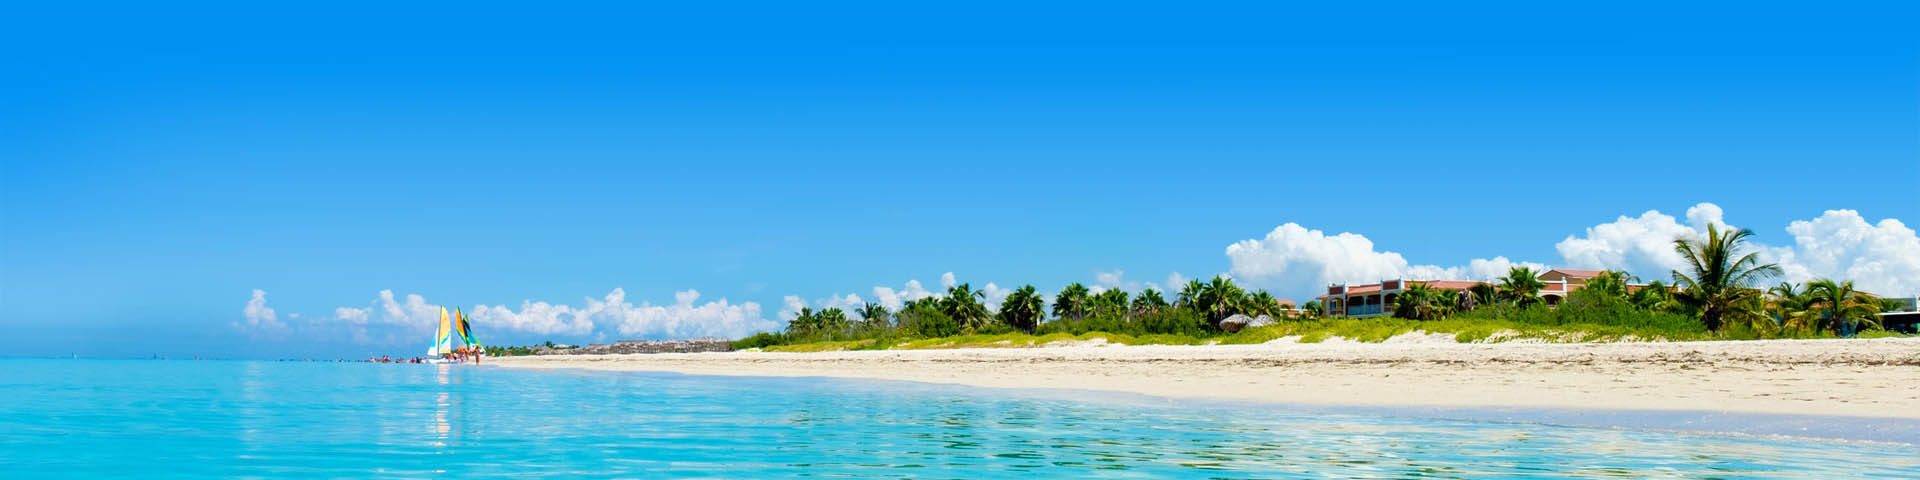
1716,297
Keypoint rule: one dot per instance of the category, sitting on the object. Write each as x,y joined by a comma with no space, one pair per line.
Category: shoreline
1866,379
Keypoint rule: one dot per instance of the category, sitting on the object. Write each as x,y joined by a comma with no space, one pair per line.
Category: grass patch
819,346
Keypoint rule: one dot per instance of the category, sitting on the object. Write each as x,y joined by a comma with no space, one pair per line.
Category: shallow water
153,419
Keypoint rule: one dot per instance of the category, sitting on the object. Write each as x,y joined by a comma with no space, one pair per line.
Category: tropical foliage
1718,279
1521,286
1071,302
1023,309
1713,297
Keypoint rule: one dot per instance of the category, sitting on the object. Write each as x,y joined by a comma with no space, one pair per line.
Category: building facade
1376,299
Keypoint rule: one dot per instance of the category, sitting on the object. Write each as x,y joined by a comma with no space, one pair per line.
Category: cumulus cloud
995,296
259,319
790,306
1117,280
894,299
391,320
386,320
1882,257
1642,245
1293,260
684,318
539,317
947,280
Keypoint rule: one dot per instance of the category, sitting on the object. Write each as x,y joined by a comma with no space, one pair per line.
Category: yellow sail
440,337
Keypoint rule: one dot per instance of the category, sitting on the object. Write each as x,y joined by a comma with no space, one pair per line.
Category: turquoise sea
232,419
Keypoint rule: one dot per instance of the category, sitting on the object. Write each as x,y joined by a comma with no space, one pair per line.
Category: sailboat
454,334
466,332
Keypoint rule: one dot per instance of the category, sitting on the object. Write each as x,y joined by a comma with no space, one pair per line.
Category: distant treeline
1714,297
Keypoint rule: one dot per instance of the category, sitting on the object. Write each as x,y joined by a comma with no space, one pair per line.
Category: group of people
461,355
458,355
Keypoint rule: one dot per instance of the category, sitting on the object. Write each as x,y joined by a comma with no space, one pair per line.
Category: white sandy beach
1867,378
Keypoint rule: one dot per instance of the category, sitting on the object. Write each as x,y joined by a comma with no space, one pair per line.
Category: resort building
1376,299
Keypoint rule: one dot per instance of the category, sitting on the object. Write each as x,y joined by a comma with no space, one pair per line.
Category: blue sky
162,163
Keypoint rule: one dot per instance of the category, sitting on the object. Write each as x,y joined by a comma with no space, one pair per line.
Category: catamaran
454,335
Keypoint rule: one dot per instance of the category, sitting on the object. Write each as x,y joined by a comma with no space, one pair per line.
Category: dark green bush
759,340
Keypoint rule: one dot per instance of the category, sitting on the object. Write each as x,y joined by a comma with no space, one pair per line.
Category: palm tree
1023,309
832,320
1842,308
1189,294
1655,296
803,323
1417,302
1262,303
1149,301
1717,278
1445,301
1313,308
1110,302
1483,294
1220,298
1611,283
964,305
1789,305
876,315
1072,302
1521,286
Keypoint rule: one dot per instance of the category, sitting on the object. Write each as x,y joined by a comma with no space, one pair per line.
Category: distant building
1376,299
1903,319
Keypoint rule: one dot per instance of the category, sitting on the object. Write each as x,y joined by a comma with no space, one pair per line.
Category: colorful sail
466,330
444,338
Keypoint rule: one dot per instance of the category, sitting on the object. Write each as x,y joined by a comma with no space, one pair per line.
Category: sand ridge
1866,378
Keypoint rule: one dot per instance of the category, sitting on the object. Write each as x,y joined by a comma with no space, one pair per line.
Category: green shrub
929,323
759,340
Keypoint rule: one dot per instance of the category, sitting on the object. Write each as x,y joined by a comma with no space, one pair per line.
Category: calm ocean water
210,419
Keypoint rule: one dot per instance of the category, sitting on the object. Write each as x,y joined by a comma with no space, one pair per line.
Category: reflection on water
272,420
441,403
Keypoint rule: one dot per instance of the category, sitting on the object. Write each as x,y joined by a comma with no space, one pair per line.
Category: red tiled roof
1363,289
1285,301
1448,284
1577,273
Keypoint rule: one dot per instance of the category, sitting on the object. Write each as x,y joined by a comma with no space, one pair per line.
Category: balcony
1358,310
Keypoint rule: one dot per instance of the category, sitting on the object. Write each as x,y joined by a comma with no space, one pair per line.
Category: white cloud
1883,258
995,296
387,320
893,299
947,280
1293,260
1117,279
1176,281
537,317
1642,245
260,319
790,306
682,319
